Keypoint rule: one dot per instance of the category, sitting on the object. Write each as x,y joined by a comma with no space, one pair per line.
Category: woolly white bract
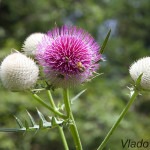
139,67
30,44
18,72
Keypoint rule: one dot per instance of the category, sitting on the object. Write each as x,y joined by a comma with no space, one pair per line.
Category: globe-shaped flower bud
18,72
30,44
139,67
69,56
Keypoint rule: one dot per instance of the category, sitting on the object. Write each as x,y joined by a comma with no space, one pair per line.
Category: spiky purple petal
68,56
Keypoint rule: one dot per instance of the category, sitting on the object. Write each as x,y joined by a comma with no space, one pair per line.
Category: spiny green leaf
105,42
26,125
41,116
53,122
19,122
43,124
36,128
12,130
77,96
50,118
31,119
56,122
40,124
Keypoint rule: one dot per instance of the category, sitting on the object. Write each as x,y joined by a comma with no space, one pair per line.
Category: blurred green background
99,107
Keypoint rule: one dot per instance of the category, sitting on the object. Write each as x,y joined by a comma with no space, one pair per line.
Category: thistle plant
62,58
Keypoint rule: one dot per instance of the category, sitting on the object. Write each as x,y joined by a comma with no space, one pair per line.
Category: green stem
51,99
73,127
118,121
67,102
63,138
60,128
48,107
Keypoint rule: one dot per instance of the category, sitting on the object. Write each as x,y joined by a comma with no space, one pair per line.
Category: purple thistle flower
68,56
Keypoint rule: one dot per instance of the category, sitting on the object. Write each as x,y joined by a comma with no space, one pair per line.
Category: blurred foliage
98,108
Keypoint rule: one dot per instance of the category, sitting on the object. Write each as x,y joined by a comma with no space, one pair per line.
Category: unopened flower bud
139,67
18,72
30,44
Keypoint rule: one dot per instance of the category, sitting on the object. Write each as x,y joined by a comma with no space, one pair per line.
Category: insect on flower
80,67
67,59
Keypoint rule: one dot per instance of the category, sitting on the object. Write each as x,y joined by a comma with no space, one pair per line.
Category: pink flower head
69,56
